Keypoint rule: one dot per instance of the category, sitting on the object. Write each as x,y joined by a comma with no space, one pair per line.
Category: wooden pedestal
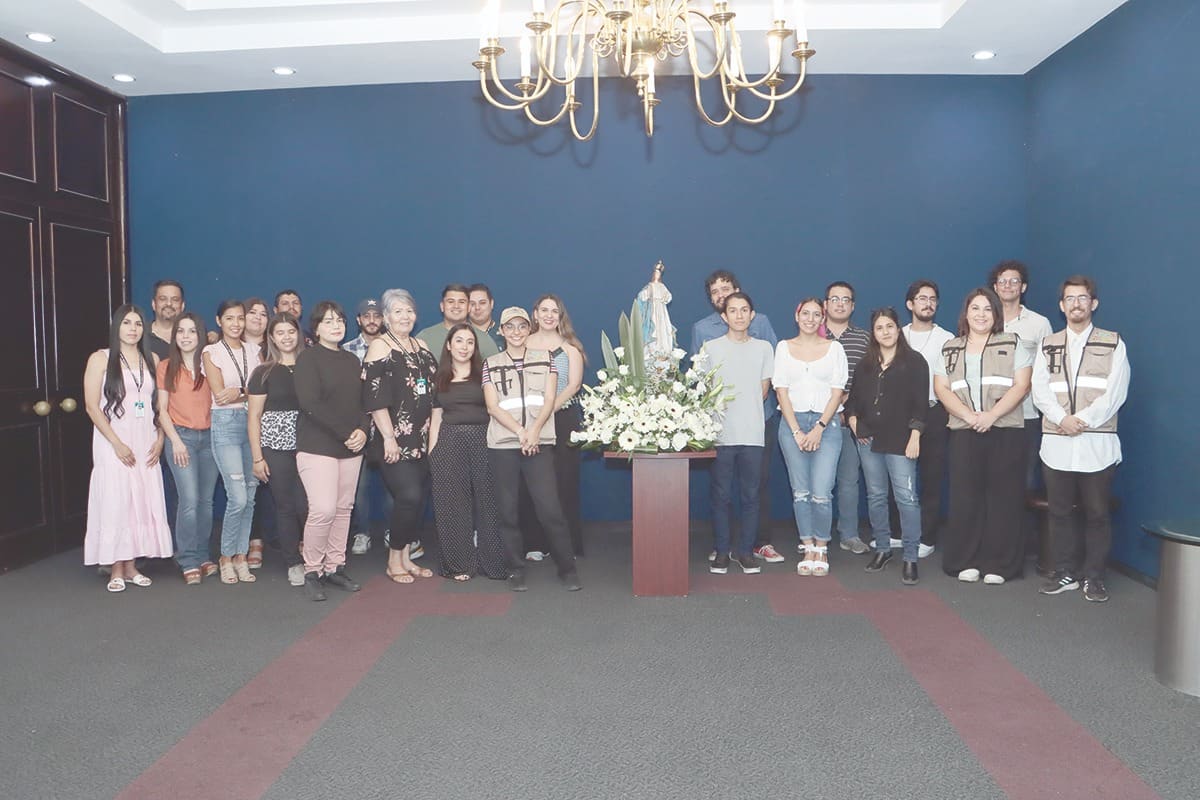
660,522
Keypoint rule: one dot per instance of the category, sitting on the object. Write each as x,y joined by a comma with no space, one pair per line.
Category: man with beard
479,311
370,328
167,302
1080,380
927,337
454,307
718,286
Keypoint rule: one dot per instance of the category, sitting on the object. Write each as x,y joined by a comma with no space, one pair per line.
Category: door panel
80,149
79,261
16,136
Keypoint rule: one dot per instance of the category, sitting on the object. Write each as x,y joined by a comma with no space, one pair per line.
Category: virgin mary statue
657,331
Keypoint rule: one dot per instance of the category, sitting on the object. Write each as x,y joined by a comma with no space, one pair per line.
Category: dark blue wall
342,192
1114,193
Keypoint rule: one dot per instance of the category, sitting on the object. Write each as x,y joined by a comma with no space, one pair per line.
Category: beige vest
522,393
1076,389
997,370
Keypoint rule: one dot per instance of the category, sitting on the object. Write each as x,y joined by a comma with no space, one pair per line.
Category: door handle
68,405
42,408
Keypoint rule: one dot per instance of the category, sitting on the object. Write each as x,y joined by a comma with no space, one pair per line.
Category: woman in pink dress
127,515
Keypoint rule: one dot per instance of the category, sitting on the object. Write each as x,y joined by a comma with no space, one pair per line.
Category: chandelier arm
545,123
731,102
703,113
483,85
720,44
499,84
595,106
774,95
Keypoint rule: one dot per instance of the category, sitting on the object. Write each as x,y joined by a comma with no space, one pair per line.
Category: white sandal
820,568
116,585
805,567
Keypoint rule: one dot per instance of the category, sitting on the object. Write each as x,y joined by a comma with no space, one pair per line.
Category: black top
327,386
889,403
279,386
402,382
462,404
160,347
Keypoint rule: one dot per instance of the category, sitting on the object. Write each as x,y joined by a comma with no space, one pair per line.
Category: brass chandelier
637,33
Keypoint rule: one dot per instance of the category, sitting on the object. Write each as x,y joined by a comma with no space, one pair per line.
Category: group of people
475,414
1000,402
466,413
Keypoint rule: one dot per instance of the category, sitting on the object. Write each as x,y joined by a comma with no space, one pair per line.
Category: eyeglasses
1009,281
514,327
928,299
1077,299
843,299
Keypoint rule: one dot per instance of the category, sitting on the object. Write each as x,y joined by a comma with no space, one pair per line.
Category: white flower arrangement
644,403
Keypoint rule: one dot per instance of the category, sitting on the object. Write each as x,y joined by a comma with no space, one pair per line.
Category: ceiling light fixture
984,55
122,77
638,33
43,38
38,80
284,71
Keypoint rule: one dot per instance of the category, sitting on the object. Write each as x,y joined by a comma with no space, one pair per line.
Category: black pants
291,504
406,482
1091,492
508,468
931,471
987,492
770,437
566,469
464,502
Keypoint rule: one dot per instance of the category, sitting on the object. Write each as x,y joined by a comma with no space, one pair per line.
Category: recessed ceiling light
44,38
984,55
122,77
38,80
284,71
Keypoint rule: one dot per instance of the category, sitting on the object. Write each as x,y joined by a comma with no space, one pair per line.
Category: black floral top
403,384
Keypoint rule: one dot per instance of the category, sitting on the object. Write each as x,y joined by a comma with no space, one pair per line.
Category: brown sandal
191,577
254,558
399,577
208,569
420,572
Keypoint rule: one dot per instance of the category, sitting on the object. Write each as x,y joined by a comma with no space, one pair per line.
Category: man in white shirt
1010,279
1080,380
745,365
927,337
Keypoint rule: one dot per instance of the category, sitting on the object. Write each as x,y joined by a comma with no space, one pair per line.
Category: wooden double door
62,272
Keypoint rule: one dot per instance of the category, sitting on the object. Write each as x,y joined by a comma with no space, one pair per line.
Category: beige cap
513,312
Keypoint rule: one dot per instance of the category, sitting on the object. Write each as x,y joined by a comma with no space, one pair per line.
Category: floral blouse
403,384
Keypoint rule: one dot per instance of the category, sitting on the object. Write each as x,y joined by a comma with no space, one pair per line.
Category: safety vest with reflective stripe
996,377
522,393
1076,388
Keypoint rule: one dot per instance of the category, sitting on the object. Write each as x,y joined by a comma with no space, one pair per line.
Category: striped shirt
854,341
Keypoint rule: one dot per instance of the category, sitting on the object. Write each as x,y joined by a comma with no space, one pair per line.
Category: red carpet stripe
239,751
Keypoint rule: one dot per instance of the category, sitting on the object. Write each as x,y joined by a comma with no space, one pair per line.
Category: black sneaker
516,582
1094,591
747,563
879,561
341,580
719,564
1058,583
313,588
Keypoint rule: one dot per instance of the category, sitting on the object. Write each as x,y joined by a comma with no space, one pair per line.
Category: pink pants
330,484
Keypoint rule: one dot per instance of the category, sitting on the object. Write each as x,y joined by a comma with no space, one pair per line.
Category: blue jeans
360,517
195,483
847,486
879,469
746,461
231,449
811,475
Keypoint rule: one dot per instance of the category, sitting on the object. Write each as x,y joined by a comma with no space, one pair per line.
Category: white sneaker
534,555
387,538
416,551
713,557
296,575
969,575
362,543
895,543
925,550
993,580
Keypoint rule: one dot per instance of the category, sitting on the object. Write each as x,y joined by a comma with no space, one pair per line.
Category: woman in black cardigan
886,411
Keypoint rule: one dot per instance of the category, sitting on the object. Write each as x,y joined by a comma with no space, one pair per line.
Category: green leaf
636,352
610,358
623,332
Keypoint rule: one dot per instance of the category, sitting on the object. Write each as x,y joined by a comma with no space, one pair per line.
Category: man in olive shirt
166,300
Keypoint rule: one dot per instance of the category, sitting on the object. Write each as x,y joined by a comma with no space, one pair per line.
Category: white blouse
810,383
235,371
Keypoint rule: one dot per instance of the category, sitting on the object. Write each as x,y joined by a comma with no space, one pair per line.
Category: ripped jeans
811,475
231,450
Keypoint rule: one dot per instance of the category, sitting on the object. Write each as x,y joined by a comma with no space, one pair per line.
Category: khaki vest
522,393
1076,389
997,369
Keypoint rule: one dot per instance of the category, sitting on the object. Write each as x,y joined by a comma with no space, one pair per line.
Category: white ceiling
177,46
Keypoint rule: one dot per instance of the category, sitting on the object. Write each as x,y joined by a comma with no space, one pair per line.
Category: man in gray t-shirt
745,365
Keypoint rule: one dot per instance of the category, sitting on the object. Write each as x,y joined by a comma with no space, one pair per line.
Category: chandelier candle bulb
801,22
539,6
777,11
